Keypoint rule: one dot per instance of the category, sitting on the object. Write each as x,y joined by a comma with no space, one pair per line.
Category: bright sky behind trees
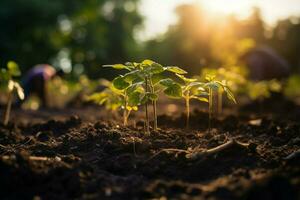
159,14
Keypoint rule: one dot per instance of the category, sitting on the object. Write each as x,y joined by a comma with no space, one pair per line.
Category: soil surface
76,158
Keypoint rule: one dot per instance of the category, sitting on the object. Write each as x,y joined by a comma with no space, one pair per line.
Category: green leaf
192,84
132,76
203,93
156,78
136,86
156,68
152,96
212,85
119,66
210,77
109,97
187,80
120,83
148,62
10,85
200,98
13,68
175,69
167,82
195,85
132,65
144,99
20,91
98,98
149,96
134,98
223,84
230,95
174,91
152,67
4,76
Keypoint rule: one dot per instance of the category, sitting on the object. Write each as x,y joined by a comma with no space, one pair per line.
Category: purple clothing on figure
265,64
35,80
43,70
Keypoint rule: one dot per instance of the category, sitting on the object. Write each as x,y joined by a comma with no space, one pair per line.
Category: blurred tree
197,40
253,27
286,40
185,44
82,33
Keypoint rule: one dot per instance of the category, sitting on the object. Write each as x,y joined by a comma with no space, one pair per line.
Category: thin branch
167,150
293,155
36,158
231,143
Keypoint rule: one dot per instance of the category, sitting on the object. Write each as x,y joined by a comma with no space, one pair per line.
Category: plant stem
187,105
154,115
125,121
125,115
146,109
8,108
210,106
220,101
154,107
147,118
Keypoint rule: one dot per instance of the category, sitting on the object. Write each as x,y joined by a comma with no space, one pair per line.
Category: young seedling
155,79
148,74
108,97
135,78
213,86
131,95
118,95
7,75
191,89
235,77
220,92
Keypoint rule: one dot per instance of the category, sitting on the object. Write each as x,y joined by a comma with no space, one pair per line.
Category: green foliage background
95,32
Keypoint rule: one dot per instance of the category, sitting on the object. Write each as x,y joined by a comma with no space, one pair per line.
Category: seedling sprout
149,76
144,81
191,89
7,75
212,86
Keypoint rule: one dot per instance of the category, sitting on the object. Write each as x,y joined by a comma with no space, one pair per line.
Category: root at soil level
197,152
231,144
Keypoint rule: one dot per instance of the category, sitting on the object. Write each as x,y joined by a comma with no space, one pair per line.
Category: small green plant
143,82
261,90
213,86
118,95
149,76
191,89
235,77
6,75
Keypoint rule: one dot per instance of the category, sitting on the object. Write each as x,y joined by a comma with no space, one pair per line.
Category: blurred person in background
265,64
35,82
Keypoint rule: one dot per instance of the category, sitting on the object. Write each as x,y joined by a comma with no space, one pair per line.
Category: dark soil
77,159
